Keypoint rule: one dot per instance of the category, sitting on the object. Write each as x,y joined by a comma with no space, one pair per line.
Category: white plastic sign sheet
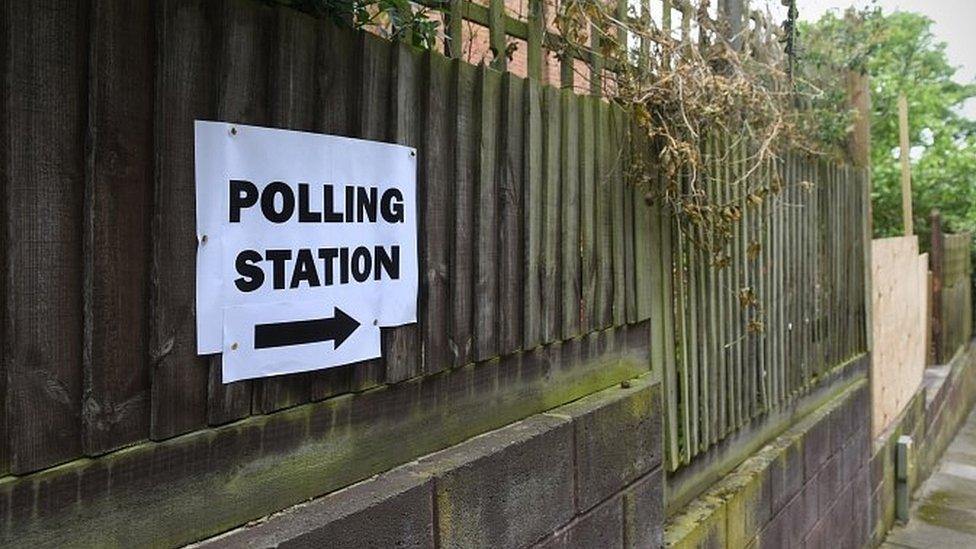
306,247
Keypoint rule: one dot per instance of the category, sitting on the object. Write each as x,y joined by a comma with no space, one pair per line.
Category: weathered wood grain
185,87
437,157
375,92
510,227
569,257
587,215
118,196
603,165
44,161
247,52
401,346
466,160
533,217
551,237
486,252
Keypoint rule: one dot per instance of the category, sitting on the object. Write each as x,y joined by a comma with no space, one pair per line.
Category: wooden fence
529,235
788,308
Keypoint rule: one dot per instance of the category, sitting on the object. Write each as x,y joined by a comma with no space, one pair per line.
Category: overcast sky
953,25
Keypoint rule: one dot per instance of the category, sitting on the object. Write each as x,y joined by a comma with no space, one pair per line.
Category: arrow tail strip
282,334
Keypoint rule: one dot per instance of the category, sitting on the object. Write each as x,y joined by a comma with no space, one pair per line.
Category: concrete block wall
587,474
808,487
932,417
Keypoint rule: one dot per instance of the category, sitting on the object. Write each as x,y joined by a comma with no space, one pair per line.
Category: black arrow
337,328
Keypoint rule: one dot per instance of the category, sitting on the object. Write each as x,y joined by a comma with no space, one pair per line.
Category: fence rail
536,32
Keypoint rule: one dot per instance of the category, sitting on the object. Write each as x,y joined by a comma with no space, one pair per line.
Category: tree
900,53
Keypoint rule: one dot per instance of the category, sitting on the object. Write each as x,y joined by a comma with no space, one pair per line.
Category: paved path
944,511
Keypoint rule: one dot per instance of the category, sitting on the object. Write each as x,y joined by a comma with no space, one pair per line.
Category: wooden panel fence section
529,234
787,309
956,294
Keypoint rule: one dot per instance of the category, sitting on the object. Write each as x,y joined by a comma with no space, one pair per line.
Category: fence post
453,43
936,262
537,31
859,148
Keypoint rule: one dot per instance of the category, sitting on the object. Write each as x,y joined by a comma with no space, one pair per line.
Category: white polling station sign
306,247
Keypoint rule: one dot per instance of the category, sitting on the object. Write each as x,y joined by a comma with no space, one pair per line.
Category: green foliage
901,55
394,19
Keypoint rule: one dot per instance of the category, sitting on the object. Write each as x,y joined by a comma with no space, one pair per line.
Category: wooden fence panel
761,332
115,406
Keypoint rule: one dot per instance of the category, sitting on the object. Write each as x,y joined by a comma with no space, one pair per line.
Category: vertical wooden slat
402,346
115,407
630,265
694,358
669,305
643,235
437,157
744,283
44,160
717,365
185,87
780,245
619,236
375,92
570,216
729,318
657,310
335,68
681,327
700,331
486,218
5,68
510,230
551,236
465,162
765,292
720,290
603,166
532,214
788,242
245,45
587,213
